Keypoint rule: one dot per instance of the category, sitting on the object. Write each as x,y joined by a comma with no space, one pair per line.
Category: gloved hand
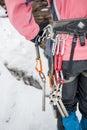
41,35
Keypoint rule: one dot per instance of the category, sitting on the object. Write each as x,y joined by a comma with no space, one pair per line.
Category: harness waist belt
71,27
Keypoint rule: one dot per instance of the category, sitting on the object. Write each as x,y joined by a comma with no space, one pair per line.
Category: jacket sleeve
20,15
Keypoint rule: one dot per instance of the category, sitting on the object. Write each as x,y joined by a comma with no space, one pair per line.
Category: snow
2,12
20,105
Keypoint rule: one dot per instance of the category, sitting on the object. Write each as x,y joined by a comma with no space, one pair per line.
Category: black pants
75,89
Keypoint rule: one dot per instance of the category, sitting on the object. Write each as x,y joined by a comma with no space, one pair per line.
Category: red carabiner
59,62
56,62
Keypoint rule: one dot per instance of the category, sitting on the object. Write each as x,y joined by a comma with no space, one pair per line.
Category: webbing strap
74,26
67,74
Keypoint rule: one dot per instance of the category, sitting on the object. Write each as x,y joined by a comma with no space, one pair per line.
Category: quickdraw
56,94
42,76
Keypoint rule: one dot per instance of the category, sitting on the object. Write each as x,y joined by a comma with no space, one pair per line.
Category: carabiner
42,77
39,61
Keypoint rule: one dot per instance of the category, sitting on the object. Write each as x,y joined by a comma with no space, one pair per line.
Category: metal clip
42,76
54,46
49,29
63,46
62,78
58,44
39,62
44,95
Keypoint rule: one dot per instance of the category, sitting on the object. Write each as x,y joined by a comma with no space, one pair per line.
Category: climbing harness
58,33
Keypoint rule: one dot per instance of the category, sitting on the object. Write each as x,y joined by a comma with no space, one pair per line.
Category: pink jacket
22,19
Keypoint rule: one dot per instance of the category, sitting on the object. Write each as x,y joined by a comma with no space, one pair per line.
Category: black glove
41,35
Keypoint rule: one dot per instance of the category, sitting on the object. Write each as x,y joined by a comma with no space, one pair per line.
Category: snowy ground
20,105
